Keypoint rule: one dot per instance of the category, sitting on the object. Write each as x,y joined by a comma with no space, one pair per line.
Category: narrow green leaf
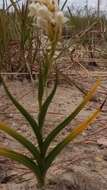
22,159
46,67
46,104
76,131
22,110
41,88
21,139
62,125
64,4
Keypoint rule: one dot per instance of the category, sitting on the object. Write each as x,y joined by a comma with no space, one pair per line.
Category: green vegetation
41,156
18,26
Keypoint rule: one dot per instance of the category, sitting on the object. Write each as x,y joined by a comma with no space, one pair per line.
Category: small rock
102,142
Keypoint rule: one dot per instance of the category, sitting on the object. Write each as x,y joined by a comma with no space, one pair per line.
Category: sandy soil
86,155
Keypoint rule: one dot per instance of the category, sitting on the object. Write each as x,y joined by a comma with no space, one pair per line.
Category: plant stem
41,182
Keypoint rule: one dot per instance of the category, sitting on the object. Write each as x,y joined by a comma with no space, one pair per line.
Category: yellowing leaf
53,154
92,90
76,131
21,139
68,119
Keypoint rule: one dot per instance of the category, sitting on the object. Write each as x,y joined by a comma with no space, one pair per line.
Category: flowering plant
50,19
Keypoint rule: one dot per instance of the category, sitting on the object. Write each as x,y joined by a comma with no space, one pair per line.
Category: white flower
33,9
51,4
48,16
59,16
44,13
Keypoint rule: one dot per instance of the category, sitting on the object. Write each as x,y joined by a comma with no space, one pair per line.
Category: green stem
41,182
48,61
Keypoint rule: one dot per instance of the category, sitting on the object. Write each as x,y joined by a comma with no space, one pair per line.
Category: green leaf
22,159
46,67
62,125
64,4
76,131
41,88
46,104
22,140
22,110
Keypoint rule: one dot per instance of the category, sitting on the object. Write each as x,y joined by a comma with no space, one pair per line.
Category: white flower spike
48,17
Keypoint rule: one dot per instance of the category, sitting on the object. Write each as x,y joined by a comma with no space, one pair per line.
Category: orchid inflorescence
48,17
